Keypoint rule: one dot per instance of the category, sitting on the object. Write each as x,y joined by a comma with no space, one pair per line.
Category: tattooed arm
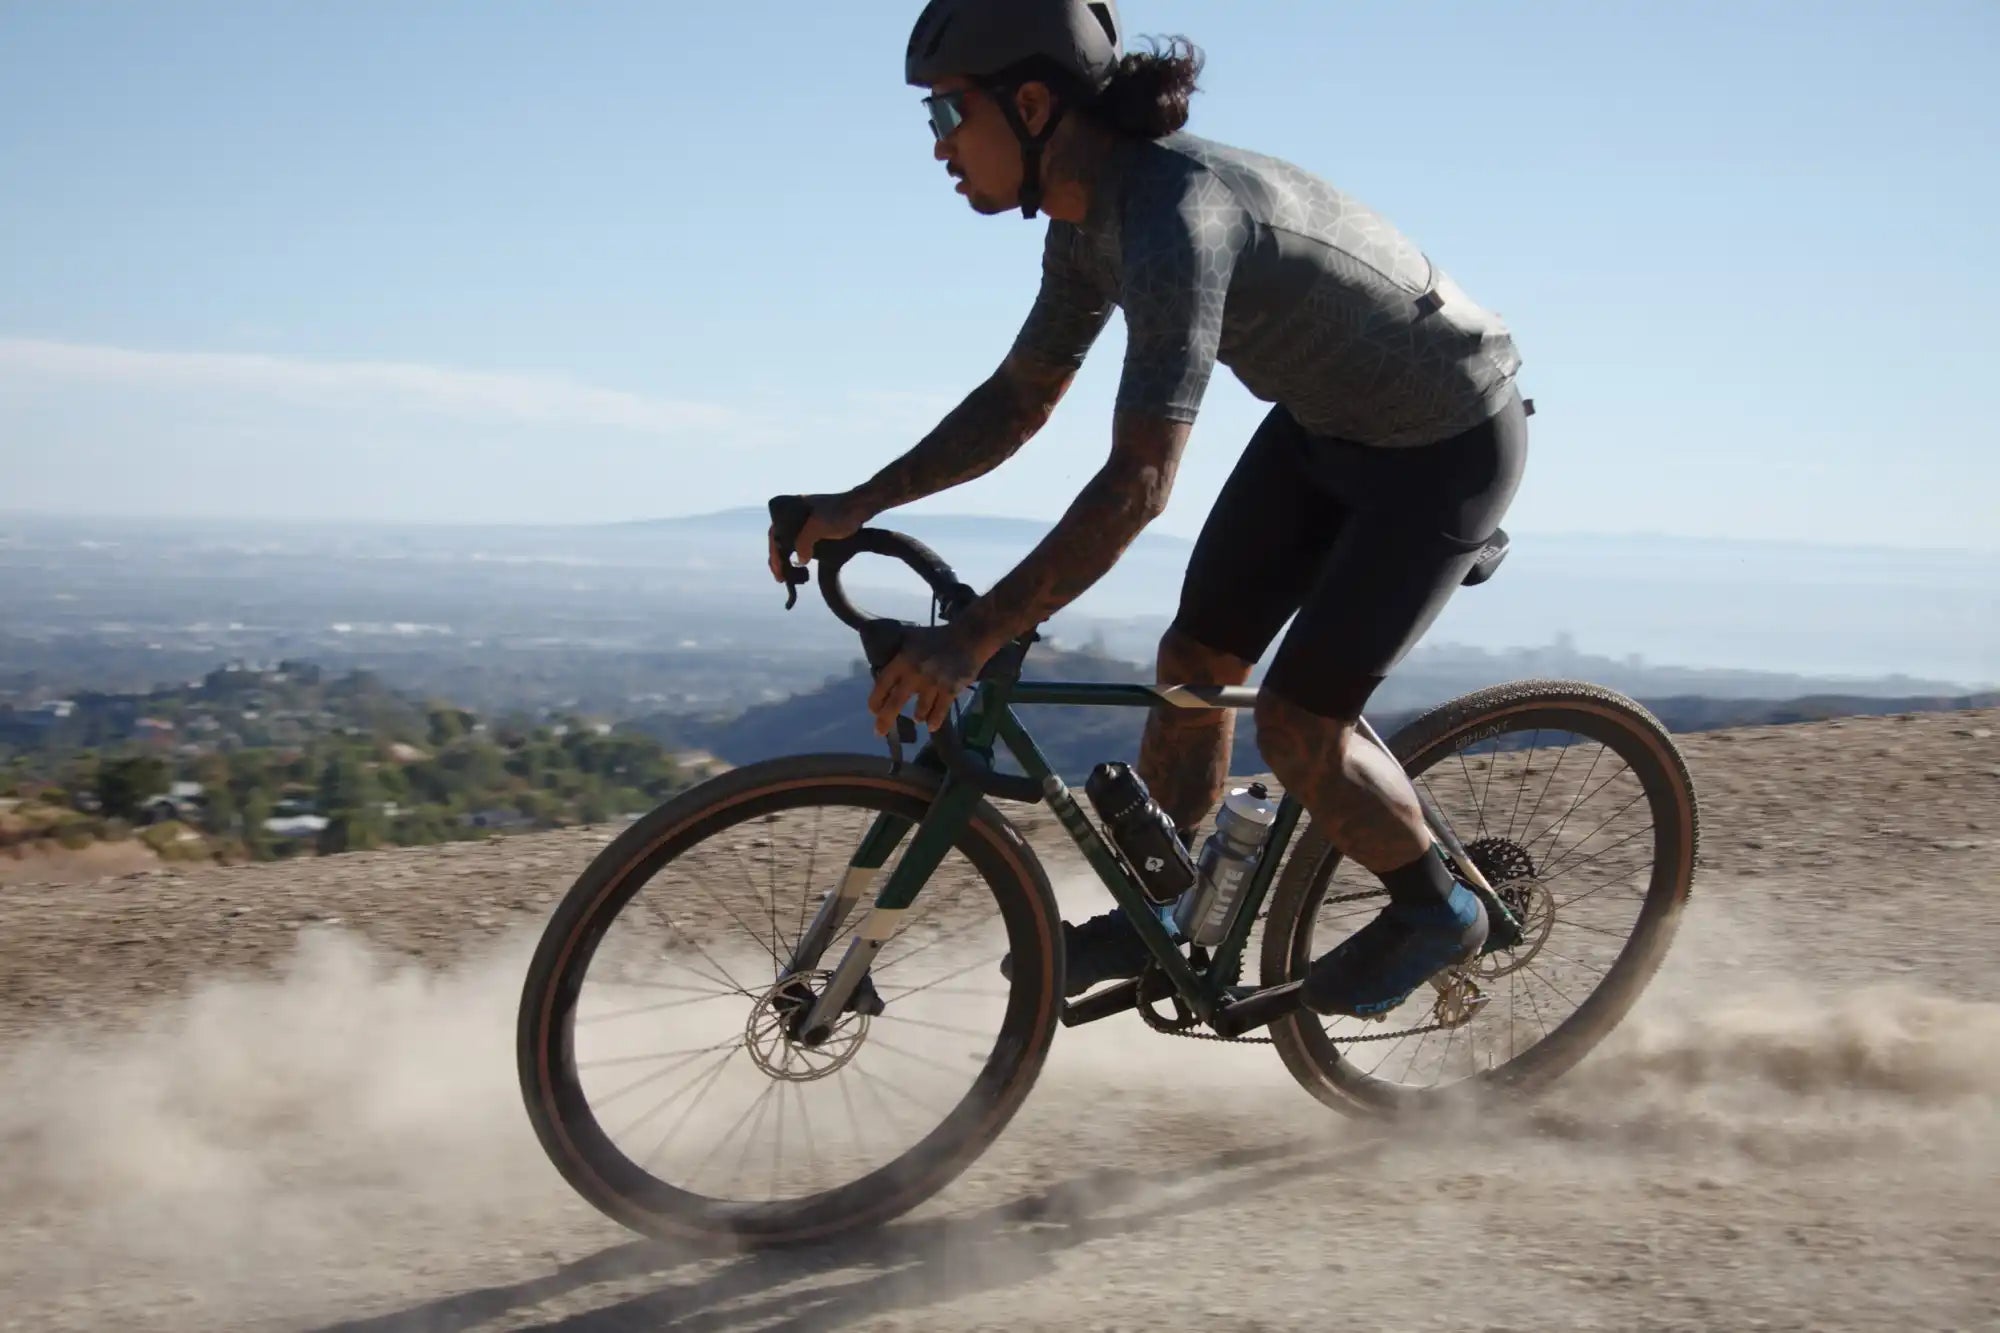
975,437
1127,493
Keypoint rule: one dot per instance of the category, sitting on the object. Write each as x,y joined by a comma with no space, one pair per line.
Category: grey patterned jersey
1316,302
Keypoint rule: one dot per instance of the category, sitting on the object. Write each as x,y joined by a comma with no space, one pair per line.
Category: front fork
934,836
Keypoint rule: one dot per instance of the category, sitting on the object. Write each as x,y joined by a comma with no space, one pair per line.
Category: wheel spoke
656,1055
770,946
1556,828
707,1080
1527,766
1478,806
1530,839
1547,783
1574,962
1438,805
906,1020
952,975
592,1020
805,894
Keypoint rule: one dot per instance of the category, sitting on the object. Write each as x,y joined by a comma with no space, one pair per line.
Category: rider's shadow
904,1266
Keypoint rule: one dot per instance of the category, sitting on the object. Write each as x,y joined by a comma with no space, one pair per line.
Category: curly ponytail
1148,97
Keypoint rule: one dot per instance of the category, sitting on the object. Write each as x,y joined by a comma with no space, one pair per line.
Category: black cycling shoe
1104,948
1378,966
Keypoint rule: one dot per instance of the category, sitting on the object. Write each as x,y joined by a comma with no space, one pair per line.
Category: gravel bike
772,1009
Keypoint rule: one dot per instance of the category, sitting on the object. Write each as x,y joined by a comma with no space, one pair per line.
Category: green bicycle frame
991,718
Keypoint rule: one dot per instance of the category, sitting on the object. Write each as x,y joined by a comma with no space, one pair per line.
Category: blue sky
501,262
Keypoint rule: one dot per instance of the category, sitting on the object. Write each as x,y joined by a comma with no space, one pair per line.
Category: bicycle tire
595,1166
1313,1057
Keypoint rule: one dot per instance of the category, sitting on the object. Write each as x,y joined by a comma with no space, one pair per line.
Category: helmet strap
1031,147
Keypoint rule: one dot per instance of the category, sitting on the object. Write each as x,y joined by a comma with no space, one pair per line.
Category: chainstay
1153,1020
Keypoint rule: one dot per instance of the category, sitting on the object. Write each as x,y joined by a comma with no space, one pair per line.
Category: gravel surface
282,1097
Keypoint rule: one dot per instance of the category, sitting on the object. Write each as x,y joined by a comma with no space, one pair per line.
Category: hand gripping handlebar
882,637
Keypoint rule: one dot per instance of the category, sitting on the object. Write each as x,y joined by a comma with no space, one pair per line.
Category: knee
1185,660
1300,746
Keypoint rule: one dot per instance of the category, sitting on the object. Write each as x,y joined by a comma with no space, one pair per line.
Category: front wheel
1577,807
655,1054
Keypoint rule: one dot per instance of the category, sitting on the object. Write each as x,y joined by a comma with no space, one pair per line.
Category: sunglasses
947,112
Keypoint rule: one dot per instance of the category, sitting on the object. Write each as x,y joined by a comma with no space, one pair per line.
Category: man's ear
1035,103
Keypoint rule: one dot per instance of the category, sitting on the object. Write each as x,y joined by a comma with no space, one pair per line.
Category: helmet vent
1102,13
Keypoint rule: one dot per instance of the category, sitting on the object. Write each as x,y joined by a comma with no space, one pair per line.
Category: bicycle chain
1154,1022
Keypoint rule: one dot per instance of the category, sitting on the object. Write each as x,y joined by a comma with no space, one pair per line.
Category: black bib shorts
1364,543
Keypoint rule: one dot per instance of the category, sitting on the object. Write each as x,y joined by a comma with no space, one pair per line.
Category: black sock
1426,879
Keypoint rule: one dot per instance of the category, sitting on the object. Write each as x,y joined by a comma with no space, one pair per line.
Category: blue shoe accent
1380,965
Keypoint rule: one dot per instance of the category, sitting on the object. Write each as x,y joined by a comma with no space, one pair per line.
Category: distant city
181,691
680,617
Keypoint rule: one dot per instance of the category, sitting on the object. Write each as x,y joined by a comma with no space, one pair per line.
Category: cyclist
1394,445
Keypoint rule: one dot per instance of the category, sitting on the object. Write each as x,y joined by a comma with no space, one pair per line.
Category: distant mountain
834,717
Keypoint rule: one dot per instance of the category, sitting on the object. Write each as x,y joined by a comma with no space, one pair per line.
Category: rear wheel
655,1057
1578,809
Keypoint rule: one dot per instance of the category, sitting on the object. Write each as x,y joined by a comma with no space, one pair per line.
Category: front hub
780,1050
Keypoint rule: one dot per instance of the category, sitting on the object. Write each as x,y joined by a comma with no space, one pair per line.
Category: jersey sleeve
1069,311
1181,236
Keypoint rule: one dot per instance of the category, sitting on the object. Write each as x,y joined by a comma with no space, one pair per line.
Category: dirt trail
282,1098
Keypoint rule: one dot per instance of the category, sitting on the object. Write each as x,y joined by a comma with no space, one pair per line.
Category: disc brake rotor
768,1033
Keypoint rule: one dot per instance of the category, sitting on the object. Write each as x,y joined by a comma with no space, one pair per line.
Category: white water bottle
1206,912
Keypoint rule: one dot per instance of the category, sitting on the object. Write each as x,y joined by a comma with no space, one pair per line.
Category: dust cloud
268,1150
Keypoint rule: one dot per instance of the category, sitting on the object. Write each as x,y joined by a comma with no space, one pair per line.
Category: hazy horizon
936,510
1818,609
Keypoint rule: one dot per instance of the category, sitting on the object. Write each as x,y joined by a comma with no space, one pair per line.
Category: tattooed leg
1356,792
1184,756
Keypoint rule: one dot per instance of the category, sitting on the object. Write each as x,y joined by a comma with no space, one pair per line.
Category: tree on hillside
350,799
218,810
350,831
122,784
256,838
446,724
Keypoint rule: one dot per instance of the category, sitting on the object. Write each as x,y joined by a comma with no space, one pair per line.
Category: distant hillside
834,717
260,761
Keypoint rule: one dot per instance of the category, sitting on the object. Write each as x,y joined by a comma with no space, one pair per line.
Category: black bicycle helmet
986,40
